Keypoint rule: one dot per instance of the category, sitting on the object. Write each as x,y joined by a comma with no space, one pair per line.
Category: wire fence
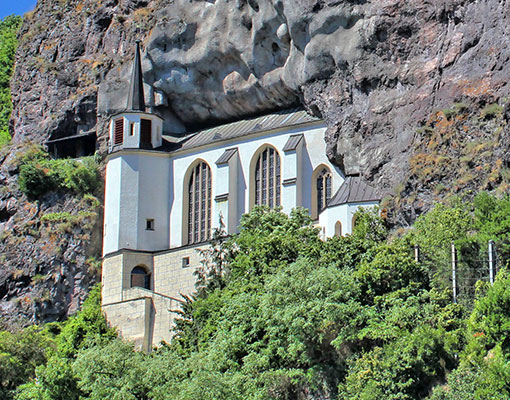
462,272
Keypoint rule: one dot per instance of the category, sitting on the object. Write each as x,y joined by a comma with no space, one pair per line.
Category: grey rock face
224,59
375,70
47,266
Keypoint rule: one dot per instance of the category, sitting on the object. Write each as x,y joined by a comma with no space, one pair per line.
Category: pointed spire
136,99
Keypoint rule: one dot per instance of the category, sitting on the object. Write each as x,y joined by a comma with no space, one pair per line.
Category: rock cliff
375,70
415,94
49,248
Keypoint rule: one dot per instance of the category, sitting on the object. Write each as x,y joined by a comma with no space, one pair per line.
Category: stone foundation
145,316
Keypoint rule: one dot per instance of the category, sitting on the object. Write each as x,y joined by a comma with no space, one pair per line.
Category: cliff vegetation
280,314
8,43
416,98
50,234
49,218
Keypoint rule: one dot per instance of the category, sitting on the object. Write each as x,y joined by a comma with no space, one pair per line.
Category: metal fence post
491,262
454,273
416,253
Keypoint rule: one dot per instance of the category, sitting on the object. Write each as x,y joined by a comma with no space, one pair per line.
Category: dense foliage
469,225
280,314
8,29
38,174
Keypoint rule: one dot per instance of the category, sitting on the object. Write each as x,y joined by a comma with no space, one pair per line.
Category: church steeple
136,99
134,128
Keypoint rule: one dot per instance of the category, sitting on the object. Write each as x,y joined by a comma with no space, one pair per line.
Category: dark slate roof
226,156
77,136
354,190
293,142
281,119
136,98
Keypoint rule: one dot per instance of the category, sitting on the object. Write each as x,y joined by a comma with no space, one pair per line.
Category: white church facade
165,195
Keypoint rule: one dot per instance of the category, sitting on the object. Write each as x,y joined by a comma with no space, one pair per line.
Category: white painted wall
312,155
143,185
112,194
343,213
154,202
290,171
234,216
137,188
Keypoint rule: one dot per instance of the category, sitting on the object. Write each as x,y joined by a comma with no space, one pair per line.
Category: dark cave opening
81,145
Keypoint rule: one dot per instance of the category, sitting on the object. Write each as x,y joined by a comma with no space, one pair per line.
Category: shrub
20,354
8,43
40,175
4,138
36,178
81,176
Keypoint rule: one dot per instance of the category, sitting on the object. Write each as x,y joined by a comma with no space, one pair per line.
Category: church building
164,196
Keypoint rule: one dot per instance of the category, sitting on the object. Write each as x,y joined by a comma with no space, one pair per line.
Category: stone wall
145,316
132,319
171,278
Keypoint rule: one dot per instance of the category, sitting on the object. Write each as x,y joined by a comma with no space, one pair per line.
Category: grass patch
491,111
5,138
456,109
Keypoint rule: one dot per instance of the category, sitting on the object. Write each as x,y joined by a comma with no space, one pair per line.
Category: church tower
136,214
137,173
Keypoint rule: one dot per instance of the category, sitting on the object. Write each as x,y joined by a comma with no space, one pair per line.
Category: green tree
9,27
86,329
20,353
435,231
484,371
58,380
294,313
280,314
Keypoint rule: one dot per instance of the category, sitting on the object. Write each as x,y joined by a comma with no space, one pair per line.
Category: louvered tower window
267,178
323,189
199,204
118,131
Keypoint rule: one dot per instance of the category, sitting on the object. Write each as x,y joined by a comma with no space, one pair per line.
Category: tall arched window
140,277
321,190
268,178
199,204
338,228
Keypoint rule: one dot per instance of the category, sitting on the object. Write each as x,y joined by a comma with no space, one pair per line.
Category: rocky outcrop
376,71
49,249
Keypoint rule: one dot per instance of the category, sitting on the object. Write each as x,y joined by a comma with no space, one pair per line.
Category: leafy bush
20,353
36,178
86,330
4,138
40,175
484,371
